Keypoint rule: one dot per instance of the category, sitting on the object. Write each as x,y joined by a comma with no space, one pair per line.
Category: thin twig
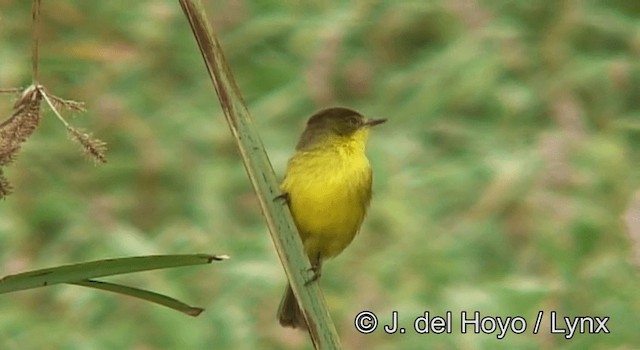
36,38
52,107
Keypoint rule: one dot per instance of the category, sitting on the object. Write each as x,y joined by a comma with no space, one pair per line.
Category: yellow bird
328,188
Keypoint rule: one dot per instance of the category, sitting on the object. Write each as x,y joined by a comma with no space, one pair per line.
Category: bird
327,186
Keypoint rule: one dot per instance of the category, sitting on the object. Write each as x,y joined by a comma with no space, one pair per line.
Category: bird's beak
374,122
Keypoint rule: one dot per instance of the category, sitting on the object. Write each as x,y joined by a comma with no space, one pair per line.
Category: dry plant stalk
25,119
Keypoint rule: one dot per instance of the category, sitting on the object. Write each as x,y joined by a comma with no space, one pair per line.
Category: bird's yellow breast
329,191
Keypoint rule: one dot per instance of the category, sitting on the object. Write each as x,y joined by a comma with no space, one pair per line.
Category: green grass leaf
142,294
108,267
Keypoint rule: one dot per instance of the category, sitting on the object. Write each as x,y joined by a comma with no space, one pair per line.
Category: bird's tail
289,313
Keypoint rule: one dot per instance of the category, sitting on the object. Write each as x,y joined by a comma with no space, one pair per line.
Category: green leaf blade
100,268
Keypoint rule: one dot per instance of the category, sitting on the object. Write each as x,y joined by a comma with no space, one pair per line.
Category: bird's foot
316,269
285,196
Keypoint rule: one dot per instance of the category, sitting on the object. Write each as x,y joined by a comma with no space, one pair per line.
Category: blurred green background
509,157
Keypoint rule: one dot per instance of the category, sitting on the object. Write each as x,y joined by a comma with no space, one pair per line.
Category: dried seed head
93,147
25,119
20,125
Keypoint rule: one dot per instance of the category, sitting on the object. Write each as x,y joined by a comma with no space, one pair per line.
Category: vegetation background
509,157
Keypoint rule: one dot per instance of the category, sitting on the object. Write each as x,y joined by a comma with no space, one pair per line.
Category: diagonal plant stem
258,167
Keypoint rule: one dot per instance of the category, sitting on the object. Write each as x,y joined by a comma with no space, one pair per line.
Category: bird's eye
354,121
